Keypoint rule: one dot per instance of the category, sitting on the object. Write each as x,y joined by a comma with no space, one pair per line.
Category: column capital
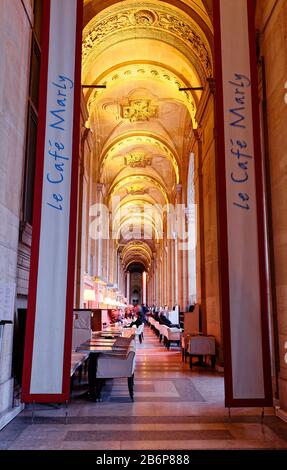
100,187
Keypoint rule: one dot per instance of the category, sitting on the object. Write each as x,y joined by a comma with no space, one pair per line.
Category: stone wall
14,66
272,25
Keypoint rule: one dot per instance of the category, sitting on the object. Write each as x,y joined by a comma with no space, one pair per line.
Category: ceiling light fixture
196,88
94,86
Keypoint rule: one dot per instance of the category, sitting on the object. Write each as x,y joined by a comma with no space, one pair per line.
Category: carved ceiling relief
137,160
142,114
145,159
137,190
149,72
139,110
161,19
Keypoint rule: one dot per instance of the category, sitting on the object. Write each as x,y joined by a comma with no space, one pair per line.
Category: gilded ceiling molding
135,244
146,20
139,140
130,209
201,14
144,70
133,252
137,179
142,210
137,190
141,188
145,199
134,258
132,214
141,262
129,222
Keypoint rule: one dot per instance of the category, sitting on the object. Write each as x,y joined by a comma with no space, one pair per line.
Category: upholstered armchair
138,331
173,336
117,365
200,345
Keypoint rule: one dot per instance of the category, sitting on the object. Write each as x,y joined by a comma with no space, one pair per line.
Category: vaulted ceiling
144,53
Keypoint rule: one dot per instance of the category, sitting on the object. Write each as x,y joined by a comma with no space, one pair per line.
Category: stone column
180,258
99,241
111,277
184,280
201,230
91,199
122,283
191,255
154,280
169,273
118,270
160,276
128,287
81,222
165,267
144,287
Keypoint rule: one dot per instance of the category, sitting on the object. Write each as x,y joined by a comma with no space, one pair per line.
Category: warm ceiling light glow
89,295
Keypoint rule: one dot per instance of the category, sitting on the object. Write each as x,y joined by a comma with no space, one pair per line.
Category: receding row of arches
147,68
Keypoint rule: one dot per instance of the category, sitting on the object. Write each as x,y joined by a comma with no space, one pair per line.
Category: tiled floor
174,408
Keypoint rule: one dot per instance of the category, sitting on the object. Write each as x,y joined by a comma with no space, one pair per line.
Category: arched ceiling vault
137,180
140,72
152,20
123,146
199,10
144,53
136,250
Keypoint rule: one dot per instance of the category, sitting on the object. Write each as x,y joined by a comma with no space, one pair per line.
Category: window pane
38,7
30,166
35,74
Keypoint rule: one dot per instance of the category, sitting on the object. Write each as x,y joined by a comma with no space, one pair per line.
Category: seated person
127,319
156,314
137,322
114,316
163,320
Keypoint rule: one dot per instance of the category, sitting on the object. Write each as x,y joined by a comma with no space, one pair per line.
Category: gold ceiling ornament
135,244
137,190
138,222
137,160
147,19
153,210
141,140
135,179
148,72
139,110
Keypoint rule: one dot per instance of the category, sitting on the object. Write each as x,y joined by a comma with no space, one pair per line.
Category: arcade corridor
143,172
174,408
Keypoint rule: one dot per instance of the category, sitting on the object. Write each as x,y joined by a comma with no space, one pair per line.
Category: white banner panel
54,224
240,198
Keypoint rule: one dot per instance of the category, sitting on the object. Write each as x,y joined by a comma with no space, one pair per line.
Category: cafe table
108,332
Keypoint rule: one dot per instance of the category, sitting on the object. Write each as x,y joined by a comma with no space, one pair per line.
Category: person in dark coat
137,322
